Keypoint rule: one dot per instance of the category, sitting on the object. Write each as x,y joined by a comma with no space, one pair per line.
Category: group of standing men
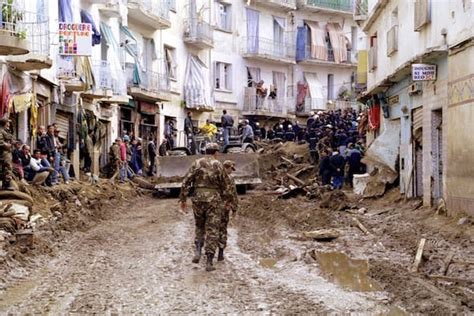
214,198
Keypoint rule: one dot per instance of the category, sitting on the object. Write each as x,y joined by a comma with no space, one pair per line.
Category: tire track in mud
139,262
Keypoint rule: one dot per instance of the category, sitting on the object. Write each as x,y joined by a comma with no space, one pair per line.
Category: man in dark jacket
151,156
354,157
227,122
325,168
337,162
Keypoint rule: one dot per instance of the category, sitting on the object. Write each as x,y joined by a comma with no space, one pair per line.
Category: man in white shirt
38,172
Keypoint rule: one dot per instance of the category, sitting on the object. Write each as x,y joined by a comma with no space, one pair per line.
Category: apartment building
418,77
152,61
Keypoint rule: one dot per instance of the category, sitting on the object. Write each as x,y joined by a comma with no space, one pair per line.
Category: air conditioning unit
415,88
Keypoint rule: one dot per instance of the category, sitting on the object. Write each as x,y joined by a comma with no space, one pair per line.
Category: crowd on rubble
47,164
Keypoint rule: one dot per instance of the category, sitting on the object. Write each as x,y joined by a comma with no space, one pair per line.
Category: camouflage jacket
5,138
233,198
206,173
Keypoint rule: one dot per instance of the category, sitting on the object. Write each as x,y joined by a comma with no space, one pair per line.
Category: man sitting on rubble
38,172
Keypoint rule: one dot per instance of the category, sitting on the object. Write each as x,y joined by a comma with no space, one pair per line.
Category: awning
280,21
318,47
148,108
362,59
196,85
131,47
301,38
315,91
87,18
338,42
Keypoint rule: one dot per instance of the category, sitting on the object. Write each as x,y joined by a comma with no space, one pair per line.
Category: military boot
197,252
209,266
220,256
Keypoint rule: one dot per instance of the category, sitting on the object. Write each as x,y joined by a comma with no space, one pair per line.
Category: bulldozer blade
172,169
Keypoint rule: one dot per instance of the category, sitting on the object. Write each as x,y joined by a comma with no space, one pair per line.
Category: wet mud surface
138,261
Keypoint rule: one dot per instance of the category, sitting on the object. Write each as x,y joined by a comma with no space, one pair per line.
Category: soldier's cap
229,164
212,146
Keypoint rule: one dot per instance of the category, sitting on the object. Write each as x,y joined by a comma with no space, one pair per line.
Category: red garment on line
374,117
5,96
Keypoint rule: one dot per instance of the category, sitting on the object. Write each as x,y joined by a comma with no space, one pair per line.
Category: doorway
437,155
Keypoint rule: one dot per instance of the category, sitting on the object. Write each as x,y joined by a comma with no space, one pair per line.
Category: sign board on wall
75,39
423,72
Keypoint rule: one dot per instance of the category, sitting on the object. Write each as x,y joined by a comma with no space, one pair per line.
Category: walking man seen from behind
227,122
211,187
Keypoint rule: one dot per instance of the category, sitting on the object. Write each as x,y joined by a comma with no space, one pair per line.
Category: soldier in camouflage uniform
232,203
114,157
210,188
6,155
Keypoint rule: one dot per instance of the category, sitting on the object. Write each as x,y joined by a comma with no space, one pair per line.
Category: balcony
361,9
37,35
199,34
308,60
110,83
152,14
264,49
150,85
286,5
372,58
110,8
392,40
344,7
255,105
13,32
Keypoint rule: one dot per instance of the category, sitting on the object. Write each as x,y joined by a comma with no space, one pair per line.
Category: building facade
152,61
425,119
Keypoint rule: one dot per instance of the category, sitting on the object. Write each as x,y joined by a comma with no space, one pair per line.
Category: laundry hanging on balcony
318,48
131,47
65,11
252,30
301,36
112,43
87,18
196,85
338,42
315,92
84,71
22,102
302,92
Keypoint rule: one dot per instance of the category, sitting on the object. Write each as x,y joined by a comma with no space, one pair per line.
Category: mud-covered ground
139,261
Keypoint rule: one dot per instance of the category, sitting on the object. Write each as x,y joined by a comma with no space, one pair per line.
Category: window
149,53
223,16
330,87
422,14
223,76
392,34
373,52
354,38
253,76
172,5
170,62
103,50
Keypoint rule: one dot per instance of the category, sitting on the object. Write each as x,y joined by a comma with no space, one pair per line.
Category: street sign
423,72
75,39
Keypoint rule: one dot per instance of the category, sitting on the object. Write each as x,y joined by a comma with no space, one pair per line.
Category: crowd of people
46,165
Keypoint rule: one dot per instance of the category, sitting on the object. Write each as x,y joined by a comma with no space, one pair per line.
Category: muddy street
139,261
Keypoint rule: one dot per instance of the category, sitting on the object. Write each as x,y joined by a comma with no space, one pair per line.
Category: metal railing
198,30
361,7
330,55
148,80
108,78
282,3
27,25
155,7
259,46
254,102
338,5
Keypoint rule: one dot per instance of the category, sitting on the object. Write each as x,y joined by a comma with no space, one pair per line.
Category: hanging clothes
86,17
374,117
33,115
115,62
196,84
302,92
22,102
131,47
5,96
315,91
301,36
65,11
84,71
252,31
318,48
253,76
338,42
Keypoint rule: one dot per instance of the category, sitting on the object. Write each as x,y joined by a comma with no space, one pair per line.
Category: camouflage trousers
207,215
6,168
223,228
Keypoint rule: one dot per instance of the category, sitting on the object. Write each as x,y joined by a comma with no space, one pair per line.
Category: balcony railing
330,56
268,48
254,103
148,80
28,30
108,78
284,4
199,32
336,5
361,8
142,10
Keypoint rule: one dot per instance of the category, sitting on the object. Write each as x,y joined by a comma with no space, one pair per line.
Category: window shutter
422,14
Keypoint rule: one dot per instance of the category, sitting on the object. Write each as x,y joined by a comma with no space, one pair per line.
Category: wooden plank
361,226
299,181
447,262
287,160
419,254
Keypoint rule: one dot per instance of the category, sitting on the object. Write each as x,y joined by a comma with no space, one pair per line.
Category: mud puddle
348,273
268,263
